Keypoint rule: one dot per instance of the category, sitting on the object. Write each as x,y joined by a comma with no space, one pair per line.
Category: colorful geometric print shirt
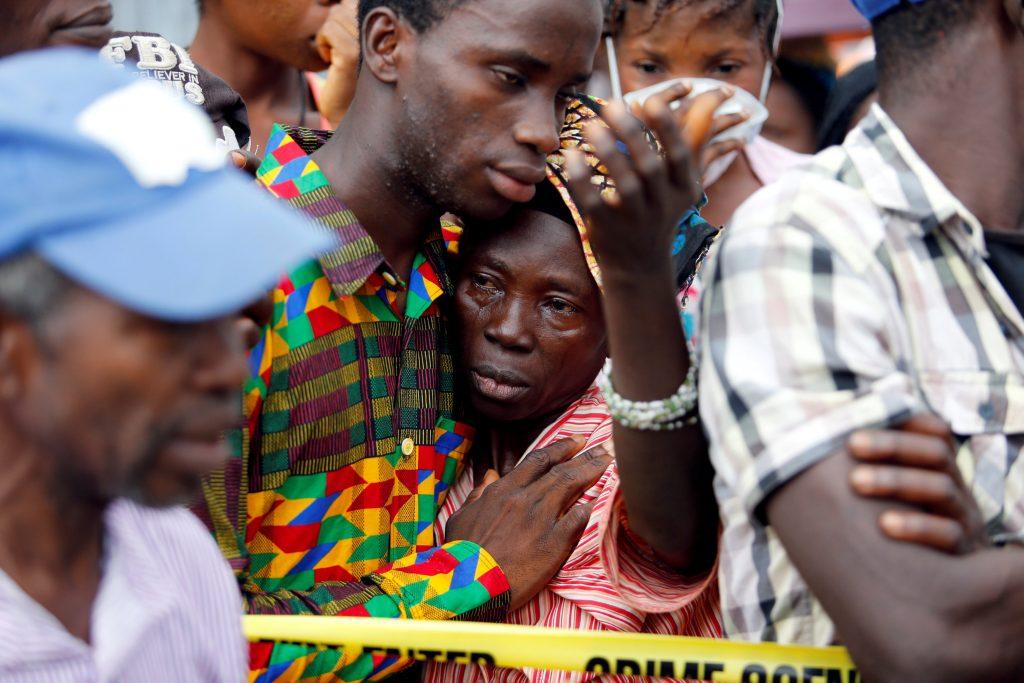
350,444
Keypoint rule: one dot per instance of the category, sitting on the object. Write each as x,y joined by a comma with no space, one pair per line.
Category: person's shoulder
174,537
822,199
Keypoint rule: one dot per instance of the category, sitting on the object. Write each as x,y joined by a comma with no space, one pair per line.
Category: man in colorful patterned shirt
352,437
856,293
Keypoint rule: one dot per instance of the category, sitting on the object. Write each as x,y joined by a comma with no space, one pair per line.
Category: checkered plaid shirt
350,446
851,294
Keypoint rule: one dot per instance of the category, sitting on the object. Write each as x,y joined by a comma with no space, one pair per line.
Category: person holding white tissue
711,43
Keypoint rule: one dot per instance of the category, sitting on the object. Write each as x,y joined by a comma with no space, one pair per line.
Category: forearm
905,612
650,361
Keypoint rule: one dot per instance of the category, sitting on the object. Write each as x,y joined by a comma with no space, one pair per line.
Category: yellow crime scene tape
599,652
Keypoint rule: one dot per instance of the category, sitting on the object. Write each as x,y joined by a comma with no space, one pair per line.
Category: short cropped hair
907,36
30,288
422,15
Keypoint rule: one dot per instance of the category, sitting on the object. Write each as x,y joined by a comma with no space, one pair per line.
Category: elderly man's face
32,24
128,406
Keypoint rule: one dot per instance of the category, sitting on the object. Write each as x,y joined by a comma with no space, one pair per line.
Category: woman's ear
385,37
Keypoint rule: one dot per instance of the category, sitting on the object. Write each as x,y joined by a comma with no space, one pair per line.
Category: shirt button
408,446
390,279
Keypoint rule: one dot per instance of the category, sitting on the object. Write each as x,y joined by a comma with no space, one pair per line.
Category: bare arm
906,613
632,237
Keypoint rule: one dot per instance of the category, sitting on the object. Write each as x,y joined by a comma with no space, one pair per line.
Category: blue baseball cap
875,8
120,185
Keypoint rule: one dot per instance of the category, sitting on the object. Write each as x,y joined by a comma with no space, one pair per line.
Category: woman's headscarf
695,235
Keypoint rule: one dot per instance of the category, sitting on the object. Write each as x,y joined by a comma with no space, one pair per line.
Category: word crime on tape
598,652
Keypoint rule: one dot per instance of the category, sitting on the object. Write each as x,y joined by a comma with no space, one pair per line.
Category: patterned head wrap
694,236
581,111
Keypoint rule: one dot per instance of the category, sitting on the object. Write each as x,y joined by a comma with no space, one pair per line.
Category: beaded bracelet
651,416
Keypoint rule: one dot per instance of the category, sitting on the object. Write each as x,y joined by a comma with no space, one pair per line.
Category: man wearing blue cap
126,249
878,285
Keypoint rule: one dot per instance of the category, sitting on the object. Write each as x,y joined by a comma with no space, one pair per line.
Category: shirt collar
896,178
290,173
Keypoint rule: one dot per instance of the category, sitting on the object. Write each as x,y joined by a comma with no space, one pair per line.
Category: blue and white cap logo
187,141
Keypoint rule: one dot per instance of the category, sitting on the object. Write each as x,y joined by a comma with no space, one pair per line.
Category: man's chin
486,208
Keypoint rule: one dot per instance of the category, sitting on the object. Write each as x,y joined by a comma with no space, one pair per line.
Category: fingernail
892,523
862,478
858,441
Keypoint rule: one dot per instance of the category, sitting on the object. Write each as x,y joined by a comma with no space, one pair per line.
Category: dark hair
30,288
849,94
421,14
812,83
907,36
766,13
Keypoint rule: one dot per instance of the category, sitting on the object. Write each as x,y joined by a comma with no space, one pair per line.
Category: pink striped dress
609,582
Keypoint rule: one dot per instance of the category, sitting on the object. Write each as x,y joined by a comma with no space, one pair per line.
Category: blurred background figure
271,51
732,42
849,102
177,20
797,98
292,61
153,57
32,24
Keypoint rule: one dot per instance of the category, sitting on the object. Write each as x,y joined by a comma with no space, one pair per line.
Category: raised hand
526,520
633,230
338,43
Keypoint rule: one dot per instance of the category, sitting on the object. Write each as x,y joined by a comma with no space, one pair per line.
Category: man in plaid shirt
855,294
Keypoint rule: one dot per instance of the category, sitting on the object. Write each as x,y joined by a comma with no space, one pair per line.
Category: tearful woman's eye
562,307
482,282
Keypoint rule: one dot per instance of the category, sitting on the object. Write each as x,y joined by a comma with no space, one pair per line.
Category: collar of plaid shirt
905,185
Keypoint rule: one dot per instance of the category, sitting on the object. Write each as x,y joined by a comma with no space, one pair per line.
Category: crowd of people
384,308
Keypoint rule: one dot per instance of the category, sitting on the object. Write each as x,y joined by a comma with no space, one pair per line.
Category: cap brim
209,252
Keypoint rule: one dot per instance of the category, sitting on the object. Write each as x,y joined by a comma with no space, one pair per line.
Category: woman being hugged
544,296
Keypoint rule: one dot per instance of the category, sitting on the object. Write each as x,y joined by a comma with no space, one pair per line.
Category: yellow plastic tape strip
544,648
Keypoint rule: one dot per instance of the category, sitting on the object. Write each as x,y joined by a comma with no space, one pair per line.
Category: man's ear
17,357
385,38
